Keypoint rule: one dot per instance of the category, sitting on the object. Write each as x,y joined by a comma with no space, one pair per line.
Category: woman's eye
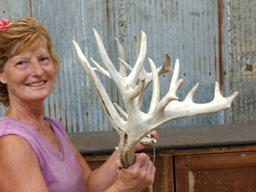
21,63
44,59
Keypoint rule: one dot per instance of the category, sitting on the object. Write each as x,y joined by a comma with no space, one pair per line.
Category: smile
37,83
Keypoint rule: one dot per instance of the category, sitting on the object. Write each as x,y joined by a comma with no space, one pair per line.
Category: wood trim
173,139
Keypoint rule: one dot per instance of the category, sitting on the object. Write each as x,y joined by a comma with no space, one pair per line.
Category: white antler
132,124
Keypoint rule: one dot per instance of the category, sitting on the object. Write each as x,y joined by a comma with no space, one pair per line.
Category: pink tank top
60,168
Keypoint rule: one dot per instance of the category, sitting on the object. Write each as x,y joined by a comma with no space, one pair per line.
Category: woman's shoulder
16,154
15,148
4,122
16,133
10,125
13,144
7,125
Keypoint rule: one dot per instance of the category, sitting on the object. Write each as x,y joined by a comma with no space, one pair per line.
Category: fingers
142,145
151,173
143,168
141,159
154,134
138,176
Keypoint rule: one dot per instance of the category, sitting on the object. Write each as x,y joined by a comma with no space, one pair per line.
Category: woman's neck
31,114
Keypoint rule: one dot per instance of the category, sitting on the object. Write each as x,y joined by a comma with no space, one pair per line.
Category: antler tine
121,52
174,86
133,93
155,88
126,65
121,111
170,96
192,92
166,66
100,69
137,40
232,97
116,77
132,78
113,115
218,96
175,75
148,76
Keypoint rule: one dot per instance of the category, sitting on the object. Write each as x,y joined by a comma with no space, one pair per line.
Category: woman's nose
36,67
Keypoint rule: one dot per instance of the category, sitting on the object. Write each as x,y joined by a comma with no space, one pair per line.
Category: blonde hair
21,34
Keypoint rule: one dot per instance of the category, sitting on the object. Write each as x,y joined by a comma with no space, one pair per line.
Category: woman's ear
2,78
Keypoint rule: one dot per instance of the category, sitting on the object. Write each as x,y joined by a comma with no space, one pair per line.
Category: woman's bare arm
109,178
101,178
19,168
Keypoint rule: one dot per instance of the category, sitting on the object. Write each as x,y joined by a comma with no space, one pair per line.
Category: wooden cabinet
226,172
192,159
164,174
225,169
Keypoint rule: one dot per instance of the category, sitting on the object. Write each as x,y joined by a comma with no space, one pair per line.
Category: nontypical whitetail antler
132,124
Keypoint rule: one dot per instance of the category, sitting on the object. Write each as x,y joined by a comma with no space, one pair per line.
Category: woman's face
29,75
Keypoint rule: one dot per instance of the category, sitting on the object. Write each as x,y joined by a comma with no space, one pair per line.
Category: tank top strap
58,126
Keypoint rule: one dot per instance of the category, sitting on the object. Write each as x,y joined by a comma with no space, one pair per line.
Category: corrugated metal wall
215,41
242,65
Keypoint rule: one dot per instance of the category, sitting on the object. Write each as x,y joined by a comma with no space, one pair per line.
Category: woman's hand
140,146
137,177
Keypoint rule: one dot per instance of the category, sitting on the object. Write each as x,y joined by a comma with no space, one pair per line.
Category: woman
35,151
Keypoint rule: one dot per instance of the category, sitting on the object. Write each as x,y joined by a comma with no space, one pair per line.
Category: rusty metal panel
241,58
185,29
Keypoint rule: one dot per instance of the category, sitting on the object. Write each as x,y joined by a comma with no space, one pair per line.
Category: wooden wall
215,41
